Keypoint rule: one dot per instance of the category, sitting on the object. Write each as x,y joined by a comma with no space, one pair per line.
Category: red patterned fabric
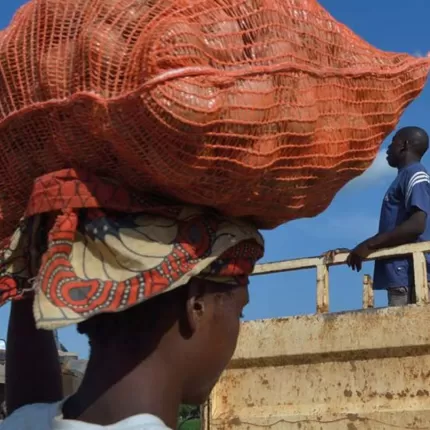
81,262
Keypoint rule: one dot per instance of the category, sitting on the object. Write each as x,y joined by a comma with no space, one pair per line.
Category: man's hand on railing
355,257
329,255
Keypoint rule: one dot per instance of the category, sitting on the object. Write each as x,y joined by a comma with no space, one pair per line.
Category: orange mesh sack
262,109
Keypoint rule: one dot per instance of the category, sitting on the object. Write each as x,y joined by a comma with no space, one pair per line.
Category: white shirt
48,416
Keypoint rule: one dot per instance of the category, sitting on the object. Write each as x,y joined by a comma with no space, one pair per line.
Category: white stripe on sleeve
417,178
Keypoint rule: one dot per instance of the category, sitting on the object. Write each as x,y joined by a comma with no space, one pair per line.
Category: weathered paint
368,369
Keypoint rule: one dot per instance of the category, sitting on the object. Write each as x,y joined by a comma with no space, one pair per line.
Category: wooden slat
312,262
322,289
368,297
420,278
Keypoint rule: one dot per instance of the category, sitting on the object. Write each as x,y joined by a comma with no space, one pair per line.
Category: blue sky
353,215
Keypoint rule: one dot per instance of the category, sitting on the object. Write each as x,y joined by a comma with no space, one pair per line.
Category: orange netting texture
261,108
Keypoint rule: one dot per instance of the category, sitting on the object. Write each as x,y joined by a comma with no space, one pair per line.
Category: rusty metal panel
367,369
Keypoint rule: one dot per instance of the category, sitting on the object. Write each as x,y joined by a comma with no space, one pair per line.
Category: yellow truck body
366,369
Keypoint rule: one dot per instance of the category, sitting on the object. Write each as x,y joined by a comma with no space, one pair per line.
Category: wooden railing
417,250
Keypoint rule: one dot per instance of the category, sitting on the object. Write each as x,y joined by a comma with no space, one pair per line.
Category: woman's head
193,330
159,295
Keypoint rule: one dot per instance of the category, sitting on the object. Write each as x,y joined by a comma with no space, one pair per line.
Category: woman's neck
110,392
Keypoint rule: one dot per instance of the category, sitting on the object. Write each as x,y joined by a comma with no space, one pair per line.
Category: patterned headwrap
99,248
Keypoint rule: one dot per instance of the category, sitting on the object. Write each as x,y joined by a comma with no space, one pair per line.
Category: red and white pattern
86,261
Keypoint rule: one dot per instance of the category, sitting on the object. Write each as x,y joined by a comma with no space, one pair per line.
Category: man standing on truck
405,217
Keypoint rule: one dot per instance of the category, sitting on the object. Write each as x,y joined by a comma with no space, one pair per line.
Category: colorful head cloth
99,248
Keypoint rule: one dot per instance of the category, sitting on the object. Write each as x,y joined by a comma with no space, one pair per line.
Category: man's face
395,151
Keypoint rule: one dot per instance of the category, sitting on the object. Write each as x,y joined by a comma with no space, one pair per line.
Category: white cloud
421,54
378,173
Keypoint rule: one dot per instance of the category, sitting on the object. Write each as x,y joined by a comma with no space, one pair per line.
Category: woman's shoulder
38,416
46,416
140,422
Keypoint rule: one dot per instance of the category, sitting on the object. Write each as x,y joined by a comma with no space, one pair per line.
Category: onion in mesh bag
262,109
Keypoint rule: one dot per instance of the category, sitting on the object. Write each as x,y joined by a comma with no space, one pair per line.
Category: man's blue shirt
410,189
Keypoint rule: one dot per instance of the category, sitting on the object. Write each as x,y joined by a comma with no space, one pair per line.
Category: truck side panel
358,370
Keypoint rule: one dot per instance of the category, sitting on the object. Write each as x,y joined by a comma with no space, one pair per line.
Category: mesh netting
261,108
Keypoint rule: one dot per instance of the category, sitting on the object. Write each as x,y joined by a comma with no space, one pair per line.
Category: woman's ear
196,305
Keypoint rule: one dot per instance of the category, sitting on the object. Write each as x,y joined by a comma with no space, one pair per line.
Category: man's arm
406,232
416,194
33,373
